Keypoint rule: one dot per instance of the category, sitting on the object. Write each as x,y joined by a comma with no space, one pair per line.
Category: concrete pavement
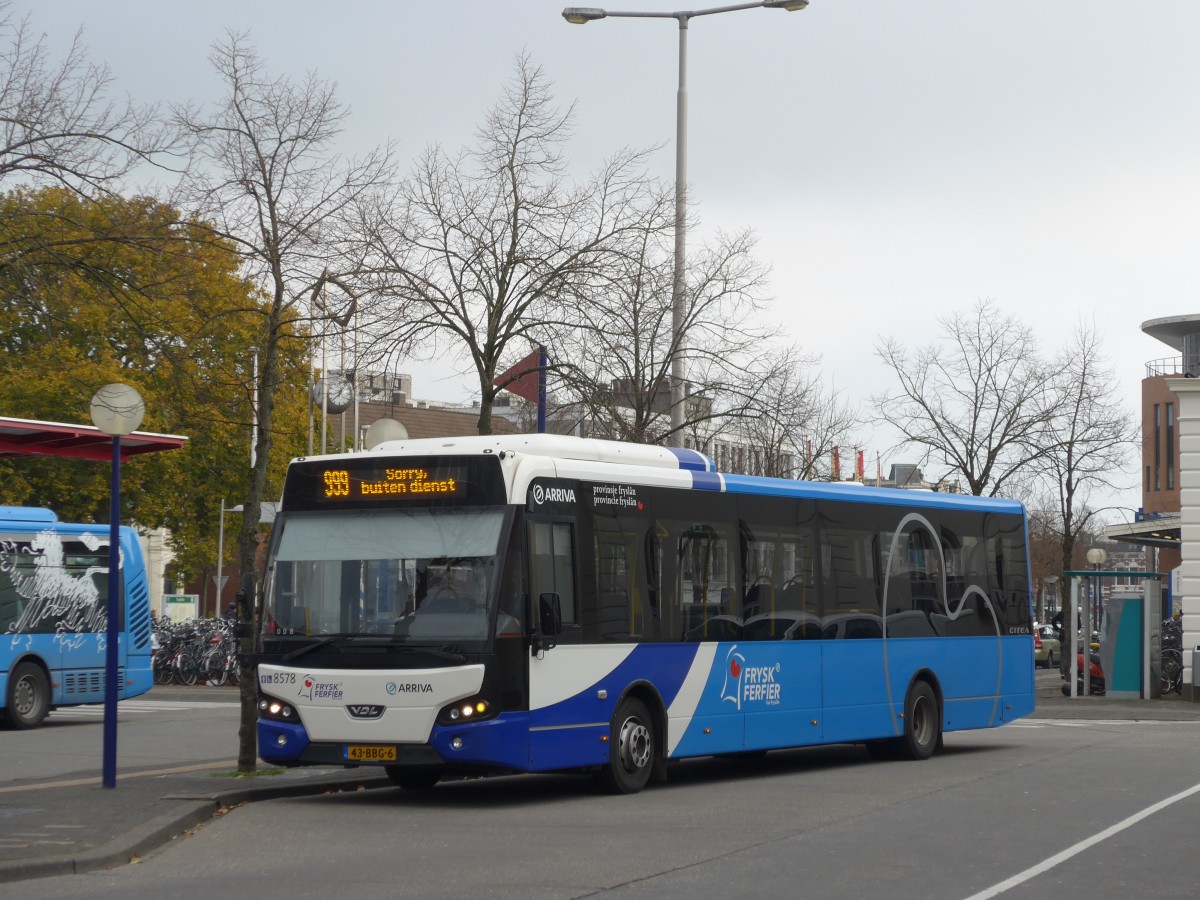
70,825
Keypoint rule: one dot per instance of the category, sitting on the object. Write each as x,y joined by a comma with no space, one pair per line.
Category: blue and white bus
539,603
54,615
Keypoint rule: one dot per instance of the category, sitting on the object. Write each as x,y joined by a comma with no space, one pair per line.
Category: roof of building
1152,530
425,422
1172,330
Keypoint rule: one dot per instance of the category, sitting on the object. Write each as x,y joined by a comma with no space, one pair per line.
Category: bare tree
57,123
493,247
268,181
980,402
1089,439
616,361
795,422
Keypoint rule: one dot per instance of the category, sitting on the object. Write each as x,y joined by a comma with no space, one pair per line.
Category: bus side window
552,565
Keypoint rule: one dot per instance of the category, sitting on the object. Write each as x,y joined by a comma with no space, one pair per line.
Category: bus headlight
277,710
470,710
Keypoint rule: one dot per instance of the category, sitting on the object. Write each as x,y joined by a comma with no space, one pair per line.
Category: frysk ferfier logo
750,684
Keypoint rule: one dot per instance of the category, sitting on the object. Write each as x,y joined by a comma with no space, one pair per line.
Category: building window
1157,445
1170,446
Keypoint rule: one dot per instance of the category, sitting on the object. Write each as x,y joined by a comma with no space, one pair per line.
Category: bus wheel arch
28,701
922,735
636,735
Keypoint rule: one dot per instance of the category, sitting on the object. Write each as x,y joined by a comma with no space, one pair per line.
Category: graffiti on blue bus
54,615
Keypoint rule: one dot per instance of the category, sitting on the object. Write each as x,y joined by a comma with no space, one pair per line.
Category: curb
164,828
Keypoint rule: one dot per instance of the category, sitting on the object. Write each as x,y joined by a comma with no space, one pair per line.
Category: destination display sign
393,481
391,484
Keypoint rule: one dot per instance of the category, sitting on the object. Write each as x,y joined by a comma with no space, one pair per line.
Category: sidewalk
78,825
1051,704
75,825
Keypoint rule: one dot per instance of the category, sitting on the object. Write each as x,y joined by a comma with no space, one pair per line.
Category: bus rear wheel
28,700
631,749
414,778
922,723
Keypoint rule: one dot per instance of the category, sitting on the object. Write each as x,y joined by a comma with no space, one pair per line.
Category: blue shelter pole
112,632
542,362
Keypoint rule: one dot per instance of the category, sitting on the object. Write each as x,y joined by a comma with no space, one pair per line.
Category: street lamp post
581,15
117,409
221,552
1095,557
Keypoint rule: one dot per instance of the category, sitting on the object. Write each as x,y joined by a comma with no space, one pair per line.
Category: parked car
1047,650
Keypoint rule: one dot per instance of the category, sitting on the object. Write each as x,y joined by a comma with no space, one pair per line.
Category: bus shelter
1130,653
29,437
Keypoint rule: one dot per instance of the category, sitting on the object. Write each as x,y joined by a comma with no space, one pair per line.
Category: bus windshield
418,574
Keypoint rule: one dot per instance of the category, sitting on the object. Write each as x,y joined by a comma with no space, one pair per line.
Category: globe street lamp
1096,557
578,15
117,409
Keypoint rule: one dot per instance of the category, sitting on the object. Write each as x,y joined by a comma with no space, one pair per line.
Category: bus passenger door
563,712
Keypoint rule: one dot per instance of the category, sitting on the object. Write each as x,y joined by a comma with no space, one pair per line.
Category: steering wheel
444,595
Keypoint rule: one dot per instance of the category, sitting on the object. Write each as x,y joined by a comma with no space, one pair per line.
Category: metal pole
220,560
677,301
324,371
354,386
543,361
254,411
112,634
1073,671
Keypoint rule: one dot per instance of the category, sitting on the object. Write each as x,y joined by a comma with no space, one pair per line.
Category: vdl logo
552,495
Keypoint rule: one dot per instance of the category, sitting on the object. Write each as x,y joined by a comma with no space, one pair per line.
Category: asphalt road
1065,806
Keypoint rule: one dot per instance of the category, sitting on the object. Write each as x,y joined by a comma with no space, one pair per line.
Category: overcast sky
897,160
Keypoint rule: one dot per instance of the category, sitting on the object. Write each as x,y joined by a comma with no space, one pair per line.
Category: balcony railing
1172,365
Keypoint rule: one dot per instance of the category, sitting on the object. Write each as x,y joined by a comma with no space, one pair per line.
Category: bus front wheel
922,723
631,749
28,700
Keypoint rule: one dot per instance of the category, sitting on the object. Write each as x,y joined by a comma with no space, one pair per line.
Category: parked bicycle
1171,670
186,652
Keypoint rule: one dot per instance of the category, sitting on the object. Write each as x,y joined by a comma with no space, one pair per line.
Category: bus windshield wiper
379,640
324,642
436,652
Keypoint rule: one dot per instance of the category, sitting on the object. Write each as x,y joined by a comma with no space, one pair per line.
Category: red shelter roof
26,437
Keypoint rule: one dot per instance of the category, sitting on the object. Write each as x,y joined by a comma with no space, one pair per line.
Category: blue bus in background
536,603
54,615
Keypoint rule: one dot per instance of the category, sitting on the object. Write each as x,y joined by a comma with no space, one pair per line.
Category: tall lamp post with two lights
1096,557
221,552
117,410
581,15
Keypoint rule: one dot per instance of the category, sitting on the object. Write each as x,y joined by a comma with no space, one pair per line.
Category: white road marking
1084,723
96,710
1076,849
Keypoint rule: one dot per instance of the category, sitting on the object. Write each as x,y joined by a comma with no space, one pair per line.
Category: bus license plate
359,753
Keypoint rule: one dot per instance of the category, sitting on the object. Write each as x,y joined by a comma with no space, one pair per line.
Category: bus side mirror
242,600
550,622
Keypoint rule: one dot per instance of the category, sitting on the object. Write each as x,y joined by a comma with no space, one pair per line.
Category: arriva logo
552,495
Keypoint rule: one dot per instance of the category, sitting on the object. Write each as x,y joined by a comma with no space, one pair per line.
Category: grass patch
257,773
